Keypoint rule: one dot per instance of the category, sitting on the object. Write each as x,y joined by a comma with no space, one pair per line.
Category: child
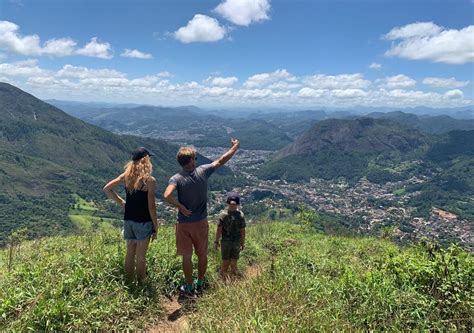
231,228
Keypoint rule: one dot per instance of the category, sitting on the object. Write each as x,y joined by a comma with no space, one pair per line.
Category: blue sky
242,52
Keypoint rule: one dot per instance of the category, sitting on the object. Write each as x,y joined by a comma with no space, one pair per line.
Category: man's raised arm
228,155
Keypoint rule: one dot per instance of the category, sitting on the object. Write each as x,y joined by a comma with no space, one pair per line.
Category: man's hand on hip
186,212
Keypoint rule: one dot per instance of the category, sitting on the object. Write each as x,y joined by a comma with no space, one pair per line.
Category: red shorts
189,235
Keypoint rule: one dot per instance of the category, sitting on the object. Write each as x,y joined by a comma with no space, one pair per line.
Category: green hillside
187,124
304,282
453,187
347,148
46,156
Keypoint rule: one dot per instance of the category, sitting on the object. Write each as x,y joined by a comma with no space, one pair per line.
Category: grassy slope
313,282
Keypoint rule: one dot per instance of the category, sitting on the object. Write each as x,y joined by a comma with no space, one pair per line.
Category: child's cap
233,197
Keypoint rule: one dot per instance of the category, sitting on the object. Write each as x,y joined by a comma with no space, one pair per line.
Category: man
192,229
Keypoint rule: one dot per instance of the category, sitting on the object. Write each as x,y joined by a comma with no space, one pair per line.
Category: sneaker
189,294
199,289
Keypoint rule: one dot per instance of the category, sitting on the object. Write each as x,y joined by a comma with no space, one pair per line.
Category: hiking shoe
199,289
189,294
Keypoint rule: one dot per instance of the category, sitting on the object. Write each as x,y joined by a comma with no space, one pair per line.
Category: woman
140,222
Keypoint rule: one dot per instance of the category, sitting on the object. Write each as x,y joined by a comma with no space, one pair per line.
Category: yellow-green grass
308,282
82,204
88,222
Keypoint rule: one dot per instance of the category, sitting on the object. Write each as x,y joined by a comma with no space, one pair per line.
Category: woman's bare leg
140,261
130,259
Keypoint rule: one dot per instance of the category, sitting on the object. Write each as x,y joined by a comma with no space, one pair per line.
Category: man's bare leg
202,267
188,268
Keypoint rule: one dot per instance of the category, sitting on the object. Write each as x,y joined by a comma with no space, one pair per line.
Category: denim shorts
137,230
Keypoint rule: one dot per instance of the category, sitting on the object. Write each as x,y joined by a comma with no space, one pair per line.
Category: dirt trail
176,320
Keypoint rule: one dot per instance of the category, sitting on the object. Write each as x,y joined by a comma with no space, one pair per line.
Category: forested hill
47,155
344,148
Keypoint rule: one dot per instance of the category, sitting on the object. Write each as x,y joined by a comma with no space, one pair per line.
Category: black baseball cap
140,152
233,196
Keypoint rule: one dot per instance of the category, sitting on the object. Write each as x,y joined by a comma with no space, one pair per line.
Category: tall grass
308,282
326,283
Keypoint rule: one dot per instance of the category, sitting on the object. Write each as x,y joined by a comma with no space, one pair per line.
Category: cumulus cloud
136,54
22,68
264,79
264,89
96,49
311,93
59,47
454,94
397,81
419,29
440,82
375,65
13,42
222,81
428,41
201,28
343,81
84,72
244,12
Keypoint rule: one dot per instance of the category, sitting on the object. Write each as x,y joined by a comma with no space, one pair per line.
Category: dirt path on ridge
176,318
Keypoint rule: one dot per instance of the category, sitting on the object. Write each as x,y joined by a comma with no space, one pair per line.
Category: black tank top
136,206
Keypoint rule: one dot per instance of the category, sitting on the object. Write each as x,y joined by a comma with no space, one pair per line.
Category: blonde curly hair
137,173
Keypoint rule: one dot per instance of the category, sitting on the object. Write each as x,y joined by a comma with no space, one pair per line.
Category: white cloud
59,47
375,65
349,93
428,41
343,81
164,74
283,85
27,68
13,42
222,81
201,28
440,82
136,54
244,12
84,72
344,90
419,29
454,94
96,49
311,93
264,79
397,81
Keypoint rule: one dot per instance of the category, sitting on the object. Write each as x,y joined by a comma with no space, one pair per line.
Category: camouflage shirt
231,223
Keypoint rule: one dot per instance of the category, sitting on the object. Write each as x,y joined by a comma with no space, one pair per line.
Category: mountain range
46,156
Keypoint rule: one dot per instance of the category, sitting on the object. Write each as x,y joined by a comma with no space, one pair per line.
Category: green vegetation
452,188
253,134
307,281
47,156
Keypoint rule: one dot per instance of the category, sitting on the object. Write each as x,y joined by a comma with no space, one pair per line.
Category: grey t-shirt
192,192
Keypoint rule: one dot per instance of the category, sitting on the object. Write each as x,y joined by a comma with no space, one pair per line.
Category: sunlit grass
306,282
